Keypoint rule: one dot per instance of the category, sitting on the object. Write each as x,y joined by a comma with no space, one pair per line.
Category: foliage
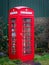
7,61
41,37
44,59
40,50
17,61
3,35
39,29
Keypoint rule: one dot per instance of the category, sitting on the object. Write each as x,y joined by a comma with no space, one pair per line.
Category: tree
3,37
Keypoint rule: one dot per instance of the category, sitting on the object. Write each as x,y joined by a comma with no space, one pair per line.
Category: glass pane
13,43
27,34
13,20
13,25
27,24
26,29
27,20
13,34
12,30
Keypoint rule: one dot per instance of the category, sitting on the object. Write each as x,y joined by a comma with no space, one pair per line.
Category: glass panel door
27,36
13,35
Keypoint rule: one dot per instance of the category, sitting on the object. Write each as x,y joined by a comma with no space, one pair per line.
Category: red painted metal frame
18,29
28,56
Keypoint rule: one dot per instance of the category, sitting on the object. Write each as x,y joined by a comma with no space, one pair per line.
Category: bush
43,57
38,50
6,61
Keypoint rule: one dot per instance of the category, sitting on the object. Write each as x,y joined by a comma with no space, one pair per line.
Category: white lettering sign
23,12
13,13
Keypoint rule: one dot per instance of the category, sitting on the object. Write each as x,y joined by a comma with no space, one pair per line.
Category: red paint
23,46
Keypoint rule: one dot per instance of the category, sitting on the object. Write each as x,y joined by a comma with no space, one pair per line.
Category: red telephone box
21,33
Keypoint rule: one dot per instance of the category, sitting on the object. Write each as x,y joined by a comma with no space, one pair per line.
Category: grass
6,61
44,60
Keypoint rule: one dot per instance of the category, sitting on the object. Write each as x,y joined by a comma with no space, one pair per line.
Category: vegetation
3,36
7,61
41,39
44,60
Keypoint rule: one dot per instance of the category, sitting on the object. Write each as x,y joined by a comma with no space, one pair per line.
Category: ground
40,60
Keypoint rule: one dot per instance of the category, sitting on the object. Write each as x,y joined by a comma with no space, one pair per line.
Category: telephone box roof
20,7
21,10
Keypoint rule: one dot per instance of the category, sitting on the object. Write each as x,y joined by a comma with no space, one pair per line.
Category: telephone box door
12,34
27,38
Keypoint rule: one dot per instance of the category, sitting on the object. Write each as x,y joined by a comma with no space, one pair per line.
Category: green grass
44,60
7,61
